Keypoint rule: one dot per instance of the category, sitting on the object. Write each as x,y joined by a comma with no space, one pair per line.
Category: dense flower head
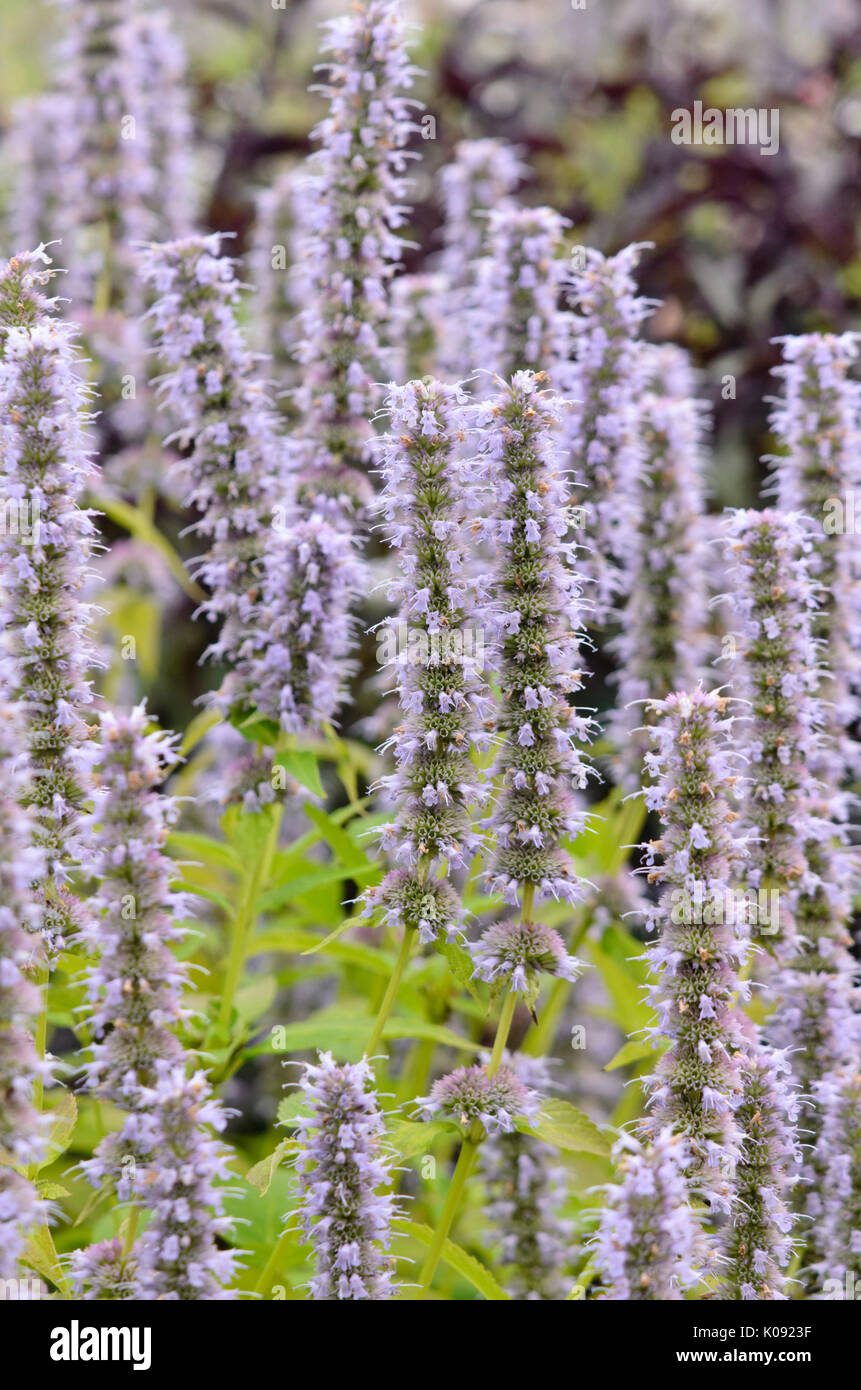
777,674
180,1180
818,474
756,1240
213,390
277,213
697,959
662,645
527,1187
429,642
45,559
518,324
649,1244
428,906
20,865
471,1096
104,1272
606,381
353,198
535,617
135,984
838,1096
342,1166
155,52
515,954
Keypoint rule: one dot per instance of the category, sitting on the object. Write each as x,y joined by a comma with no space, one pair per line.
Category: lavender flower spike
44,565
515,954
756,1241
696,961
20,865
430,644
662,644
649,1244
535,616
341,1168
354,197
469,1096
518,324
839,1099
816,424
607,380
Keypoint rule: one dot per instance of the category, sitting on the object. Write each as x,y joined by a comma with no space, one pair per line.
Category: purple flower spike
839,1098
470,1096
518,324
516,954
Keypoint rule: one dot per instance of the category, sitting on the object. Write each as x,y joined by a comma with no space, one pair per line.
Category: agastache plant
21,1069
664,603
818,474
47,646
838,1096
518,287
756,1241
342,1165
605,382
426,506
354,196
649,1243
697,959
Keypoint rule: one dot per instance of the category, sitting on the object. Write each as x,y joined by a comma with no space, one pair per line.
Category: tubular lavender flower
662,645
519,326
354,200
527,1187
481,177
341,1167
536,615
755,1241
838,1097
774,604
816,424
21,1068
425,503
605,383
696,961
44,565
649,1244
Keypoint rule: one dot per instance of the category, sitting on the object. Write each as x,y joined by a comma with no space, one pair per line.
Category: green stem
466,1158
40,1038
244,921
264,1283
391,990
131,1232
503,1028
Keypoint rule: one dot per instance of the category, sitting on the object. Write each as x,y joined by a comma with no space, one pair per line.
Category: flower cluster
519,325
20,1137
341,1167
609,375
481,177
816,424
425,508
153,50
839,1099
44,564
755,1242
515,954
354,199
649,1244
273,249
526,1186
696,961
471,1096
662,644
104,1272
41,143
535,616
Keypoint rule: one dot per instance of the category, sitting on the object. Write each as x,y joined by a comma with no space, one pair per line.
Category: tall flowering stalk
434,651
481,178
44,565
839,1098
649,1245
605,383
518,284
696,961
354,197
818,474
21,1068
342,1166
418,324
756,1241
277,216
662,644
40,143
164,1156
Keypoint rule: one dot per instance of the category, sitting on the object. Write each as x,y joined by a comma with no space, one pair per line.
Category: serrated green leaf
412,1137
302,767
462,1263
261,1175
346,849
283,893
566,1127
63,1118
632,1051
205,850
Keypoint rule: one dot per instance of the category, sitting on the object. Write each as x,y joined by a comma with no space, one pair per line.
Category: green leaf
460,963
566,1127
284,893
261,1175
303,768
462,1263
204,849
254,999
40,1254
412,1137
346,848
52,1191
63,1118
248,832
256,727
632,1051
197,728
293,1107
